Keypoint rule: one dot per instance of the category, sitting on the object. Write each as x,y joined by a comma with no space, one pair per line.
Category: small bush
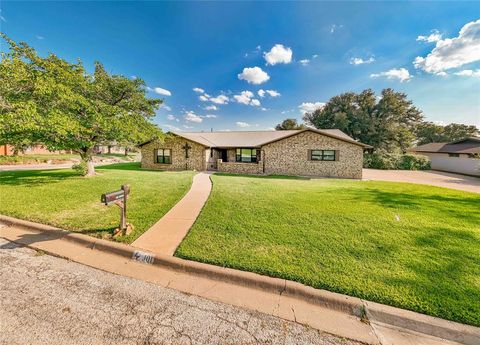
80,168
385,161
413,162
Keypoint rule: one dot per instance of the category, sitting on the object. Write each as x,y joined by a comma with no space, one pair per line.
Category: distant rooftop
466,145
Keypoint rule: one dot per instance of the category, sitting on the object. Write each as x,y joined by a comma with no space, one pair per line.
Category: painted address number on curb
143,257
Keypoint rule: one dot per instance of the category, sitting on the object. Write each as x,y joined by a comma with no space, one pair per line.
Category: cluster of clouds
205,97
159,91
448,54
451,53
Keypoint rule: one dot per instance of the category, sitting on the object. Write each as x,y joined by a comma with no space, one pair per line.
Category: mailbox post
119,198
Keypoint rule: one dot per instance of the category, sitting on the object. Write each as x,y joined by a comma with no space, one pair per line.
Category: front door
224,155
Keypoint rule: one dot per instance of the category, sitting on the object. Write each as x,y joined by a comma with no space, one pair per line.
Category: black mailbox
108,198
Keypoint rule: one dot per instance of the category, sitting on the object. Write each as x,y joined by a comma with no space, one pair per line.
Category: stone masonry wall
196,160
240,168
290,156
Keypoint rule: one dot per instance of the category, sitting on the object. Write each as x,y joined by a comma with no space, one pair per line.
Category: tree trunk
109,149
87,157
126,151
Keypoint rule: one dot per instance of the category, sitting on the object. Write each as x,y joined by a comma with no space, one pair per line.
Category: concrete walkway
165,235
432,177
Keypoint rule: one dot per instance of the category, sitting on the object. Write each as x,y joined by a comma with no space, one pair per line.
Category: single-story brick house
305,152
460,156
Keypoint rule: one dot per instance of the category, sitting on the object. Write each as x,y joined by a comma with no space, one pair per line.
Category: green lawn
59,158
64,199
412,246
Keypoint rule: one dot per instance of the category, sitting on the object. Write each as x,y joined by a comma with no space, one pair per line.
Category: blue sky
225,49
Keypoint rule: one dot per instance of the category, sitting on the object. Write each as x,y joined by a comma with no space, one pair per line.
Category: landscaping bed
412,246
64,199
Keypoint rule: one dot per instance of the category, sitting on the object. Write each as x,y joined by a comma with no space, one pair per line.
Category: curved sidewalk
166,234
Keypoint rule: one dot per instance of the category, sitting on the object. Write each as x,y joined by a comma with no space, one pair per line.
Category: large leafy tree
387,123
429,132
50,101
289,124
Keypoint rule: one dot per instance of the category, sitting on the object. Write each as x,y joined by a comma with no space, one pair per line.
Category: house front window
246,155
164,156
453,155
322,155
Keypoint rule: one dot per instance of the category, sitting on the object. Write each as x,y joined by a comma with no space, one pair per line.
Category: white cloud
198,90
187,127
255,102
2,18
435,36
160,91
304,62
172,128
166,107
203,98
335,27
278,54
242,124
453,52
360,61
171,117
211,107
401,74
211,116
39,37
273,93
263,109
314,56
246,97
469,73
220,99
254,75
310,107
190,116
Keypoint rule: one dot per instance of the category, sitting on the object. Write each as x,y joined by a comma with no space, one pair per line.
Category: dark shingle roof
467,145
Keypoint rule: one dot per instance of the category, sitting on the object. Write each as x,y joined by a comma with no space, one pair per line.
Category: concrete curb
374,312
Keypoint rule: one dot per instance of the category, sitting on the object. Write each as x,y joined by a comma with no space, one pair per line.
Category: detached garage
461,156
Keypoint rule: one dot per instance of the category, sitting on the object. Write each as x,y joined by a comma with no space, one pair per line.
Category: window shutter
337,155
309,155
155,154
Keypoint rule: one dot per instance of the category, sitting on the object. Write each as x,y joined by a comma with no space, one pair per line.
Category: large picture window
164,156
322,155
246,155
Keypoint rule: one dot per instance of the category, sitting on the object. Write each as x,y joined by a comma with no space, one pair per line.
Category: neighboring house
461,156
8,150
306,152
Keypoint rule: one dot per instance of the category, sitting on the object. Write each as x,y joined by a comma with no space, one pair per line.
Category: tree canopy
429,132
59,104
387,123
289,124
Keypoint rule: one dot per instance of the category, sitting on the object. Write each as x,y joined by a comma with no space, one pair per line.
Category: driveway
48,300
431,177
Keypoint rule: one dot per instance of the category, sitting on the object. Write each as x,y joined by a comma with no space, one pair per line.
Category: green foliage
289,124
413,162
392,161
386,124
66,200
81,168
429,132
59,104
407,245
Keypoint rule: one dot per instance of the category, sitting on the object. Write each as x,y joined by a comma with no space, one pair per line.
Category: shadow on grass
35,177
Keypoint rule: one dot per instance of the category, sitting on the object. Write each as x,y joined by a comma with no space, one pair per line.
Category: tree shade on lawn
411,246
64,199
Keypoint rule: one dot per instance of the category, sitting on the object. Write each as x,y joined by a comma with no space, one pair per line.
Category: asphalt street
49,300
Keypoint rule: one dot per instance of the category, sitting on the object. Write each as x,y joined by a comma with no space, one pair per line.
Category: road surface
48,300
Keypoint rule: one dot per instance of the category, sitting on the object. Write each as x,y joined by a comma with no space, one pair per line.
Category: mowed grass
411,246
64,199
